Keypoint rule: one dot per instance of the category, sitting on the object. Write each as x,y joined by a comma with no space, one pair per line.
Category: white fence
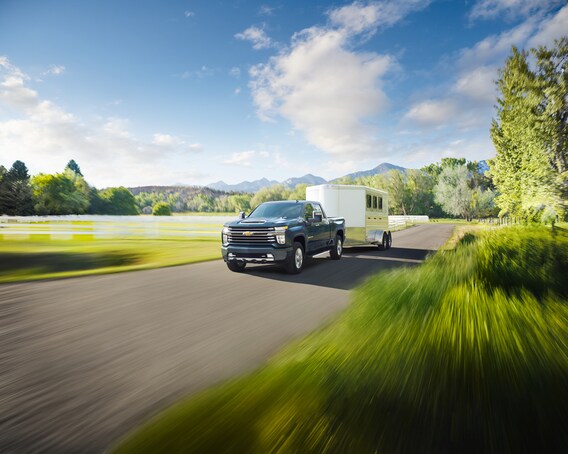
85,226
402,221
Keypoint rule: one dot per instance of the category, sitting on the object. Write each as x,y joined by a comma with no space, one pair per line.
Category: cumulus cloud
45,136
243,158
478,84
491,9
432,112
324,87
257,36
188,14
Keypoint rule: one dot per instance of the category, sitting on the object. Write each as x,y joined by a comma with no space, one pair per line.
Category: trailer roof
348,187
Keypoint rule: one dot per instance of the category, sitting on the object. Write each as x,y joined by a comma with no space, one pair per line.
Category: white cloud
242,158
432,112
492,9
45,136
550,29
478,84
266,10
54,70
256,36
235,71
360,17
166,139
189,14
237,90
324,87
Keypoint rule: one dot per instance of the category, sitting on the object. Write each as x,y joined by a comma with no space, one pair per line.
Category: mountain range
254,186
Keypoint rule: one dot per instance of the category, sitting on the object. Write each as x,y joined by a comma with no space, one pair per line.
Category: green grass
42,258
467,353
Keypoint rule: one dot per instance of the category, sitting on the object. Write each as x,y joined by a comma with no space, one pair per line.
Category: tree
74,167
15,191
118,201
530,133
299,192
162,209
276,192
57,194
453,192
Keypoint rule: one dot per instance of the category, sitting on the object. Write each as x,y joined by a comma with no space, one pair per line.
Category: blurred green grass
467,353
42,258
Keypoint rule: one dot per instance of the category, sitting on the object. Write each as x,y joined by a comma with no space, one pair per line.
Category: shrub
162,209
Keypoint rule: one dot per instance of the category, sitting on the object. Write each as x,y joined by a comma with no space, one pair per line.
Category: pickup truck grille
239,235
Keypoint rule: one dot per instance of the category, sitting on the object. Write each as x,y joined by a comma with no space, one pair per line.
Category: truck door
312,228
324,229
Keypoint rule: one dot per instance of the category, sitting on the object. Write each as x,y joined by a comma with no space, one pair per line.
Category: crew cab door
318,231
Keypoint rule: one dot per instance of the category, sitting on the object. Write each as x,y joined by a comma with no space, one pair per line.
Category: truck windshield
277,210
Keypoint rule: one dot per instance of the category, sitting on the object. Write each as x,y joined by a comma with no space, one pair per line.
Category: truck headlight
225,235
281,234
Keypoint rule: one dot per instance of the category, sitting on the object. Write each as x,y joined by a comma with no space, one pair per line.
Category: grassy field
45,258
467,353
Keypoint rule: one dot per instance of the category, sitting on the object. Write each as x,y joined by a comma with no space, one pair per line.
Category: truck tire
236,266
337,249
383,245
296,260
390,240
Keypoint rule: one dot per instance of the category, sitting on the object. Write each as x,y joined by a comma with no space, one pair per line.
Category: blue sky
195,91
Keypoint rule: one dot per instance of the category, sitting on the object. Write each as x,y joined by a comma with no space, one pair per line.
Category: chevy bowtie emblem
247,233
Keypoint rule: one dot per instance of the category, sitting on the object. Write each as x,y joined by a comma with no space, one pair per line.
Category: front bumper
256,254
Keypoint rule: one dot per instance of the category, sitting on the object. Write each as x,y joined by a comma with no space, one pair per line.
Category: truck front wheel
236,266
337,248
296,261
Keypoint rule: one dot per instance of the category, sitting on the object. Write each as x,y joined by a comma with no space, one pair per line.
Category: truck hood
261,222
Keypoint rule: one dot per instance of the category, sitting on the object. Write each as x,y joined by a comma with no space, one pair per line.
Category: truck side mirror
317,217
242,215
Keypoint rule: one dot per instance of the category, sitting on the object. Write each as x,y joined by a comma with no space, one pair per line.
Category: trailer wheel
236,266
296,261
337,248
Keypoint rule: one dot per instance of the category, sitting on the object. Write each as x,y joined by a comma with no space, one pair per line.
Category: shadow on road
356,265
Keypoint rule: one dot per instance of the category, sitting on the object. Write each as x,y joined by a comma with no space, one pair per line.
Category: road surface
83,361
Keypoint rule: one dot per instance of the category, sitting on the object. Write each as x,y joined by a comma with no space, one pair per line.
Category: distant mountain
380,169
245,186
253,186
308,179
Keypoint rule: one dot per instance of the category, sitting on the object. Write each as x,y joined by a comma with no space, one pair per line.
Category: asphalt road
85,360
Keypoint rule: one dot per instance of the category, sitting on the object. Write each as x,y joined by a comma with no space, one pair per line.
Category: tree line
61,193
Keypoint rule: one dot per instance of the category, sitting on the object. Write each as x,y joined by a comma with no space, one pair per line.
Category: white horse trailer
365,211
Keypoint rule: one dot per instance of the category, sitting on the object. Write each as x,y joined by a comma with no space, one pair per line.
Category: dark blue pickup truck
282,233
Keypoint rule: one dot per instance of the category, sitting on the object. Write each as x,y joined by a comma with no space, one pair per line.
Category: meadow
37,247
467,353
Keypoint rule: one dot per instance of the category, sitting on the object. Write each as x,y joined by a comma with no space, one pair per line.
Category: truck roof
352,187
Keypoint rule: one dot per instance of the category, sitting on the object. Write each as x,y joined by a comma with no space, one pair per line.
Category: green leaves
530,134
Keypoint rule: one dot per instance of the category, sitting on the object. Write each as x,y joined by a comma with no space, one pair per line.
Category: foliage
452,191
118,201
276,192
74,167
15,190
299,192
59,193
162,209
530,133
466,353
